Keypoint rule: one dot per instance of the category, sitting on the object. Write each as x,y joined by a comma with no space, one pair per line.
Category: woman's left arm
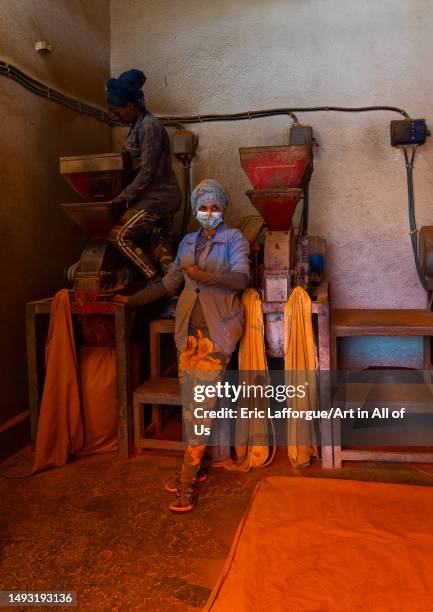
234,281
238,277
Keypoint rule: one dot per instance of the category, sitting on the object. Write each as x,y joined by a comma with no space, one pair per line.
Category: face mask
209,221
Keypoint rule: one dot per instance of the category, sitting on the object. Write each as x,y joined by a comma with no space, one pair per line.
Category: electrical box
408,132
184,143
301,135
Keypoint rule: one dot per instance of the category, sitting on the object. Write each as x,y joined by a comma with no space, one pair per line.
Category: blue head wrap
127,88
209,191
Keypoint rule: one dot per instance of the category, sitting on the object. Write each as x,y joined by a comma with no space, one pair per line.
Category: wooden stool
158,391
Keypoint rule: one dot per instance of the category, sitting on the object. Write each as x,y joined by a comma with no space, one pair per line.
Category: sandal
172,484
185,498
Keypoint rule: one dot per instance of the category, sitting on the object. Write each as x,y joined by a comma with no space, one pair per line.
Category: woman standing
153,196
214,263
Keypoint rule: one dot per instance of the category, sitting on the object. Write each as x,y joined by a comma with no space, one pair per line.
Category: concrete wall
202,57
37,240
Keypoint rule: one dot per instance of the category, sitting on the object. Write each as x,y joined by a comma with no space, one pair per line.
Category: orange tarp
319,545
78,408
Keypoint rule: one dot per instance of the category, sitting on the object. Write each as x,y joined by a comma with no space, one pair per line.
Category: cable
304,220
411,212
187,209
281,111
53,95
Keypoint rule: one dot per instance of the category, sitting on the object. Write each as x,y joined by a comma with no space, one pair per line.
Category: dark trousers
134,226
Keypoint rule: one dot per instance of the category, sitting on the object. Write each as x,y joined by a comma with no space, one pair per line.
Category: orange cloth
60,427
98,399
65,422
252,359
323,545
300,363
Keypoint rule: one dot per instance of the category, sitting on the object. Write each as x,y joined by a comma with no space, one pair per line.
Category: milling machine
102,269
280,176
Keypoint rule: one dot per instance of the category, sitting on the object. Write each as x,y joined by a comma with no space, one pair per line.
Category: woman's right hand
190,270
151,293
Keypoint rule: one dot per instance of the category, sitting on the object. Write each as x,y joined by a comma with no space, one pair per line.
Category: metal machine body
97,179
280,177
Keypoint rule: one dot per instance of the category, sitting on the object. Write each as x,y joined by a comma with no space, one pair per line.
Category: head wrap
209,191
127,88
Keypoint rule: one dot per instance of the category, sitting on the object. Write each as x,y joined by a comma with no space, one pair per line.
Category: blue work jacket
154,187
228,251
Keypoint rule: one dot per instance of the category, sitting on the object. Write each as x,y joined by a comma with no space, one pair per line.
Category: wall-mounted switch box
184,142
408,132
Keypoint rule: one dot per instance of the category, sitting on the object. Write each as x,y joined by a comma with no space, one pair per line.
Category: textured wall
37,240
202,56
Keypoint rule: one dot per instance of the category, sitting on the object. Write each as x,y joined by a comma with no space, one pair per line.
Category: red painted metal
94,308
278,175
276,167
96,218
277,206
96,186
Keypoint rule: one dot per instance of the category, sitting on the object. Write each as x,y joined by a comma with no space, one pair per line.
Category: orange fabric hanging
98,398
252,360
78,412
300,364
60,427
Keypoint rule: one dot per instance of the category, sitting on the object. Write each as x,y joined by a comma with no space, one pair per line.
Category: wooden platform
381,322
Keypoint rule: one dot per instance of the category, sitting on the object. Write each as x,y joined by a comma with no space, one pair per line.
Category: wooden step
163,390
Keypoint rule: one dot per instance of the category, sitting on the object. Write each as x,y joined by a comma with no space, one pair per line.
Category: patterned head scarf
127,88
209,191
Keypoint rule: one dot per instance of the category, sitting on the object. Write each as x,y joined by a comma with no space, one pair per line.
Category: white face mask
209,221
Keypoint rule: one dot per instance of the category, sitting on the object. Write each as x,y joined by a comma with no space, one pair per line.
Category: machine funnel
281,167
278,175
96,218
96,178
277,206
